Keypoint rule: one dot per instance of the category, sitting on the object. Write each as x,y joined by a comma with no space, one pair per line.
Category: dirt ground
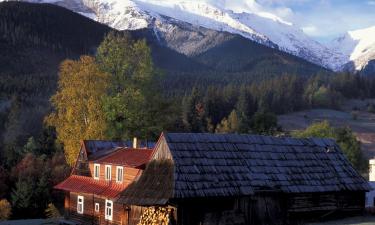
352,113
363,220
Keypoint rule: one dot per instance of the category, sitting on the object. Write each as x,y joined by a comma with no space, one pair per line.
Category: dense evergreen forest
237,86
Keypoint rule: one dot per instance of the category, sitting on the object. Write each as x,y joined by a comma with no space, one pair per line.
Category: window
96,171
96,207
108,171
80,204
119,174
108,209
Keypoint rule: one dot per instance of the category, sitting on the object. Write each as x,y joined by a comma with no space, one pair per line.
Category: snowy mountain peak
358,46
245,18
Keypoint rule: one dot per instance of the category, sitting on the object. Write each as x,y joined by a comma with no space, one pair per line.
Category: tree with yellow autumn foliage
78,112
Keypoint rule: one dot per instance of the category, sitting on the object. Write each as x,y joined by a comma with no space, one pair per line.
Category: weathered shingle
232,164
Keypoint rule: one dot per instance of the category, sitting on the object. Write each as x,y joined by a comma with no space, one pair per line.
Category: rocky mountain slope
173,20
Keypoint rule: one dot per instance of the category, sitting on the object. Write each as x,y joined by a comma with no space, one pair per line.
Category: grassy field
352,113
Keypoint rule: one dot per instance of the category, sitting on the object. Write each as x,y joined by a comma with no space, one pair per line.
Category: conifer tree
193,112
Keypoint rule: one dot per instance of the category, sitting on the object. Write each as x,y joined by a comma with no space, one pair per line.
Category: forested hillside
33,42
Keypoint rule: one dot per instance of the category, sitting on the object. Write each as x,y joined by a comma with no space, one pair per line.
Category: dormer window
119,174
96,171
108,172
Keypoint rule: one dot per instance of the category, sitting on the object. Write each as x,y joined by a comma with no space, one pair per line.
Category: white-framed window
108,172
119,174
96,207
80,204
96,171
108,209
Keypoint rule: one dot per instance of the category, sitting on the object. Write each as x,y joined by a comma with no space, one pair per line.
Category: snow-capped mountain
165,16
358,47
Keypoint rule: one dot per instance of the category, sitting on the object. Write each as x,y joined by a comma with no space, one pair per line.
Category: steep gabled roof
127,157
222,165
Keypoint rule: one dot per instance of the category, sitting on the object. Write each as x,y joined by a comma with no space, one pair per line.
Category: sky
323,19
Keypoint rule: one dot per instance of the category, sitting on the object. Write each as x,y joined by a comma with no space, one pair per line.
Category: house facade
102,171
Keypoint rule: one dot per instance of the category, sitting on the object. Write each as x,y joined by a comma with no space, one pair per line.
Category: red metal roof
127,157
89,185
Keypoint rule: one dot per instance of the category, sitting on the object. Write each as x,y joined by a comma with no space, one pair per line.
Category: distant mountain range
173,20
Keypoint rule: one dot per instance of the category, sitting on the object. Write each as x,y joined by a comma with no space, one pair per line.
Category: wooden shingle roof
261,162
227,165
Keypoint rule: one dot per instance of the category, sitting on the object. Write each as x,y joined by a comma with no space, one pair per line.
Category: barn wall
89,215
326,201
315,205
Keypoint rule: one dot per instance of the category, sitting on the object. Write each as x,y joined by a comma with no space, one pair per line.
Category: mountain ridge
162,16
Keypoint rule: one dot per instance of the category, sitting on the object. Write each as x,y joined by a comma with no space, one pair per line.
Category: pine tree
245,108
264,123
193,112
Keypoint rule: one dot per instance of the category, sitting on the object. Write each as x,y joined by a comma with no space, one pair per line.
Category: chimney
135,142
372,170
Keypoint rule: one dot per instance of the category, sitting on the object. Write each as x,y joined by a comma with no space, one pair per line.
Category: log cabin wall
263,208
90,216
314,205
129,174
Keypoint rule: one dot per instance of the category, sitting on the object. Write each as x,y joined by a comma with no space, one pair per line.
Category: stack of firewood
155,216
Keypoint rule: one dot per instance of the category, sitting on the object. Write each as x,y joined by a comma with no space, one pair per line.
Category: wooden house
211,179
102,171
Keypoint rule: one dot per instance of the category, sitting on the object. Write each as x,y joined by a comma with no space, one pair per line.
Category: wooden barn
212,179
102,171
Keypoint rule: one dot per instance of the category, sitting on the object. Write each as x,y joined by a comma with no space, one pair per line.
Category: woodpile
155,216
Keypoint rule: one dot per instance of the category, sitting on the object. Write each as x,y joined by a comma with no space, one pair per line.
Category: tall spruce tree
193,112
245,108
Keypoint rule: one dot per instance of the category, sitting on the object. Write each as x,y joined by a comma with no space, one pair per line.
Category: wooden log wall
89,215
129,174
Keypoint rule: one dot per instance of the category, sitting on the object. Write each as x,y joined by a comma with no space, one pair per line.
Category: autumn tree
78,104
230,124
